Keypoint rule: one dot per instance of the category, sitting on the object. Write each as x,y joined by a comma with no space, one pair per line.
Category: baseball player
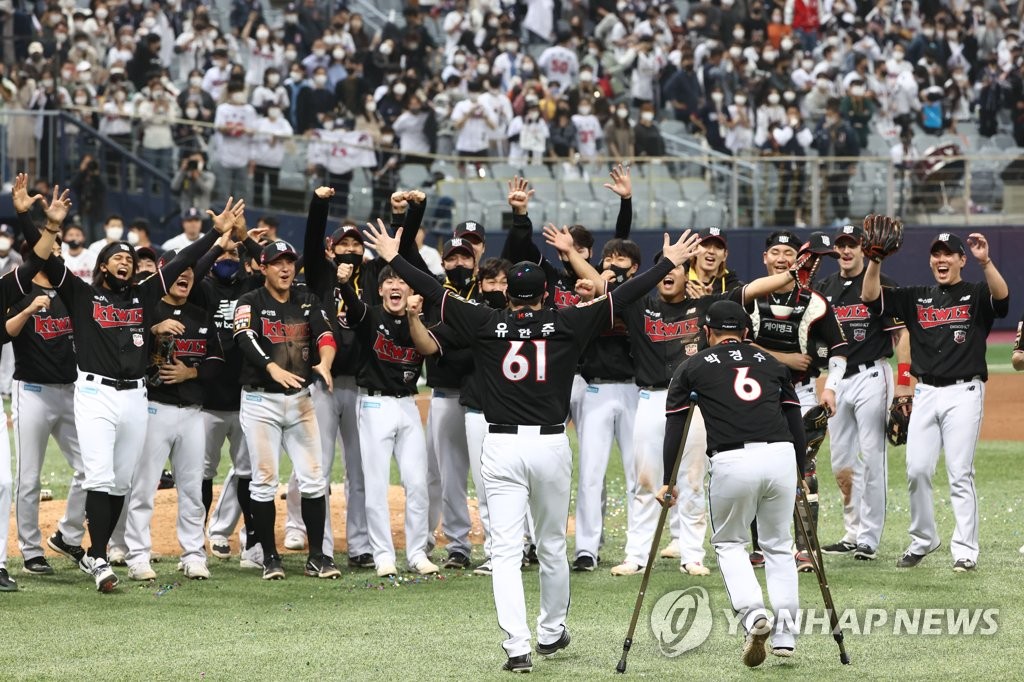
857,429
112,324
798,327
755,439
184,354
278,329
948,325
526,356
12,286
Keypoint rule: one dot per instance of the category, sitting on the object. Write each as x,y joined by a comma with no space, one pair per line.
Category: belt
609,381
854,370
655,387
725,447
552,430
940,382
385,394
178,403
117,384
272,389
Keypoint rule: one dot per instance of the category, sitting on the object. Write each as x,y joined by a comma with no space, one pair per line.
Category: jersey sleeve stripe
791,402
677,410
440,348
17,280
611,311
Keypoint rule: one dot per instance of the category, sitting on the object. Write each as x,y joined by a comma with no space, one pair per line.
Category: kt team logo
681,620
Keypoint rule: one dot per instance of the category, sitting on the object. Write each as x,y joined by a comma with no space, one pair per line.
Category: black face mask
114,283
74,244
353,259
459,276
621,274
495,299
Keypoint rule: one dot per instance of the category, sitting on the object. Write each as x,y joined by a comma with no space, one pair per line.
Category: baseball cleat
424,566
116,556
361,561
964,565
252,557
141,572
386,570
531,554
457,560
627,568
106,580
584,563
841,547
272,569
518,664
556,646
1021,550
196,570
753,647
671,550
695,568
295,541
803,561
910,560
782,651
865,553
322,566
7,583
57,544
220,547
484,568
757,559
37,565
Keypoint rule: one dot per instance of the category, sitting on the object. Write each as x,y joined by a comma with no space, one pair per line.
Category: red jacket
805,15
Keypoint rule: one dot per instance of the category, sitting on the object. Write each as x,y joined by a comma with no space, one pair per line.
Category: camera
191,165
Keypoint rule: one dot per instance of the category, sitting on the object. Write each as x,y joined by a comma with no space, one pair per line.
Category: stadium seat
694,188
592,214
504,172
413,176
708,213
678,214
487,191
673,127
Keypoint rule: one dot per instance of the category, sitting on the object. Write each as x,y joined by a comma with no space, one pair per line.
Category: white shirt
269,146
540,17
409,129
214,81
560,65
178,242
533,138
233,150
432,258
502,107
473,136
588,132
261,57
96,246
81,266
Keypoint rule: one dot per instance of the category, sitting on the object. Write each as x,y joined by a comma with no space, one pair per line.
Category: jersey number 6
516,366
746,388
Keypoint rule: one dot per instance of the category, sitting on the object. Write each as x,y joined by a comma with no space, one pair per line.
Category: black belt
272,389
854,370
552,430
179,403
386,394
655,387
939,382
117,384
725,447
627,380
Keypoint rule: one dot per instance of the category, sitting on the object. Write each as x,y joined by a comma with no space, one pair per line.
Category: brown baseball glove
883,236
899,420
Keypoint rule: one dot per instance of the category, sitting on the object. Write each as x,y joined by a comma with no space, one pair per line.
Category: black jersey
197,346
267,330
608,357
948,327
798,322
222,392
392,364
867,335
112,327
740,391
44,351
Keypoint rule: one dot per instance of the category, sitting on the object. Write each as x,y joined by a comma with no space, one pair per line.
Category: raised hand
414,304
19,194
227,218
622,182
399,202
415,196
979,247
324,192
585,289
519,194
560,239
683,249
696,289
378,239
256,233
58,207
344,273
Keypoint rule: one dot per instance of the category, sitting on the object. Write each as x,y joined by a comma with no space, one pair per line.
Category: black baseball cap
191,214
783,238
472,230
525,281
713,233
950,242
345,231
275,250
727,315
457,244
851,232
821,244
166,258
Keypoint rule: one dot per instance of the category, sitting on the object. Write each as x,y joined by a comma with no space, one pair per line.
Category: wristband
903,374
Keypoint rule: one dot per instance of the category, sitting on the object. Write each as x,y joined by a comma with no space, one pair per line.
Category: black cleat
9,584
556,646
909,559
37,565
322,566
531,555
57,544
518,664
457,560
272,569
964,565
757,559
841,547
865,553
361,561
584,562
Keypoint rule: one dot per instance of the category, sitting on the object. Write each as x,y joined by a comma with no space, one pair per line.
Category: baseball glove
815,425
883,236
899,422
807,263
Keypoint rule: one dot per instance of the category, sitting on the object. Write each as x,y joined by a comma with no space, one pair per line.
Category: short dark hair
139,224
492,267
622,247
582,237
386,273
269,221
113,216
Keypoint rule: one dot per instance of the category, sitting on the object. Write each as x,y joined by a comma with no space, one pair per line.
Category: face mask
857,91
291,56
114,233
738,35
291,18
483,69
928,32
353,259
532,116
647,116
371,107
586,77
769,56
399,89
387,140
794,122
73,243
225,270
442,110
385,49
741,99
196,81
101,13
114,283
584,111
5,244
495,299
46,83
823,86
81,100
459,276
273,113
594,52
717,97
119,96
459,61
622,113
320,80
191,112
148,22
898,56
773,98
338,54
273,79
238,98
262,34
789,96
951,37
297,76
319,52
786,44
621,274
328,124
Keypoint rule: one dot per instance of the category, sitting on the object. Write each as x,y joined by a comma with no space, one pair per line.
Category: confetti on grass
401,581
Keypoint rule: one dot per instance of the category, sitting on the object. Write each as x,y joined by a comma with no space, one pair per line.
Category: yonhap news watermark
682,620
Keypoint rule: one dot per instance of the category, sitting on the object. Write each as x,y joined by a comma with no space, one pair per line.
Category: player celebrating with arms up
948,325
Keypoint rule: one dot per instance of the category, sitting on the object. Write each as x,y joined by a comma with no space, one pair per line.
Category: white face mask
191,112
735,51
807,65
196,81
338,54
387,140
459,60
483,69
114,233
274,113
741,100
773,98
291,56
46,83
794,121
739,34
371,107
586,77
857,91
81,100
400,89
320,80
647,116
584,111
328,124
786,44
273,79
5,244
898,56
717,97
238,98
262,34
532,116
789,96
319,52
133,238
101,13
622,113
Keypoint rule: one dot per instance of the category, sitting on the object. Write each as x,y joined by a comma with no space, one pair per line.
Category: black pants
271,175
839,192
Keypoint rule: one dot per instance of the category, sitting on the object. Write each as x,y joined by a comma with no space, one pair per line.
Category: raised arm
562,240
996,284
22,205
519,244
189,256
407,213
317,268
421,338
673,255
386,246
622,184
353,304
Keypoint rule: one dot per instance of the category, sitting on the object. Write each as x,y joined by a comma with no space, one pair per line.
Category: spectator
804,17
648,137
90,193
384,175
155,114
270,92
836,138
588,130
559,63
191,230
416,129
191,132
48,97
193,183
563,139
234,122
9,258
473,122
314,103
353,88
138,236
144,64
271,137
262,51
619,135
113,231
79,260
933,116
498,102
740,135
216,77
683,91
712,120
528,135
145,262
368,118
770,111
857,109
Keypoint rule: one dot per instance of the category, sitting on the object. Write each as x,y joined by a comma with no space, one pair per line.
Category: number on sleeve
515,366
746,388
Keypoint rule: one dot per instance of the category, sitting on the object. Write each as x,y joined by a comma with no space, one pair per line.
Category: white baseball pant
111,428
610,410
858,451
171,434
648,446
476,430
275,421
39,411
6,485
391,426
528,471
221,425
7,370
579,387
446,439
759,481
949,419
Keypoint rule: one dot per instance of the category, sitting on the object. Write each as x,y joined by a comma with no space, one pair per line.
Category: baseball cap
110,249
727,315
821,244
851,232
949,241
275,250
470,229
783,238
525,281
713,233
167,257
457,244
7,230
35,47
345,231
191,214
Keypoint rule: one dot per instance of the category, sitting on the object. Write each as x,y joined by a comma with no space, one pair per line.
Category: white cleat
627,568
386,570
294,541
425,567
753,647
106,580
695,568
252,558
671,551
220,547
141,572
116,556
197,570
